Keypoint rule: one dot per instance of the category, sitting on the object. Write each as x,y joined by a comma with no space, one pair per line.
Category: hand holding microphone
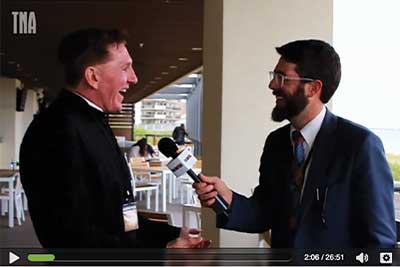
208,188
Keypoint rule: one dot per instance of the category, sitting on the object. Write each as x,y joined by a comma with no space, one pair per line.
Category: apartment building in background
160,114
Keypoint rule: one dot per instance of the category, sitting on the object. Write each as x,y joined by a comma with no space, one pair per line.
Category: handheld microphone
181,163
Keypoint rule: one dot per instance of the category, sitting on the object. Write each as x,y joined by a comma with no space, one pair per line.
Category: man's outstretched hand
189,238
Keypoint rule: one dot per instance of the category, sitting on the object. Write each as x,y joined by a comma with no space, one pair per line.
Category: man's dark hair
314,59
81,48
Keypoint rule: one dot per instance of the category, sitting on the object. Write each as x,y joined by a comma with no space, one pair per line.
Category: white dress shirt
309,133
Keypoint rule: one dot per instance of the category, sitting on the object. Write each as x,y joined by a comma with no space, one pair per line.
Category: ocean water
390,139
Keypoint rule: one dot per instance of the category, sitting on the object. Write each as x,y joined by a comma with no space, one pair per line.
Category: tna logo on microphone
177,167
187,158
24,22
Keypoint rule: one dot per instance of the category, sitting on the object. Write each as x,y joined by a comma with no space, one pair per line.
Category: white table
165,174
8,176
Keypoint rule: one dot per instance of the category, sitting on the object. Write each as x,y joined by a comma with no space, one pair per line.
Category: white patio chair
7,205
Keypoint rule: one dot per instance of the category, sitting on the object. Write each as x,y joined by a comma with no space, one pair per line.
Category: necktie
297,183
297,164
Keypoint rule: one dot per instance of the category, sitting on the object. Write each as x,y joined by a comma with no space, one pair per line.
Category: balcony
159,116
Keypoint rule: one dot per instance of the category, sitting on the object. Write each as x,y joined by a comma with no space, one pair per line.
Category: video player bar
195,257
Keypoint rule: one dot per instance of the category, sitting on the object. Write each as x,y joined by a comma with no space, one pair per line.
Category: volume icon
362,257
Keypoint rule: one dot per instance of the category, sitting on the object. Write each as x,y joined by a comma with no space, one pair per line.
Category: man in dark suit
179,134
324,181
76,179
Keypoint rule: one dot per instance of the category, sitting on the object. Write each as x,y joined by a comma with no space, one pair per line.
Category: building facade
160,114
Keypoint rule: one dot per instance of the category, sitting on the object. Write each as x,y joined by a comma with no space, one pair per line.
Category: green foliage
394,163
152,135
139,131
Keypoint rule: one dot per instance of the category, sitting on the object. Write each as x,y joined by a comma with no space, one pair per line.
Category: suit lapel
101,126
321,161
283,157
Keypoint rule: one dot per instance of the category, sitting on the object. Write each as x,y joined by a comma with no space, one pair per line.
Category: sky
367,38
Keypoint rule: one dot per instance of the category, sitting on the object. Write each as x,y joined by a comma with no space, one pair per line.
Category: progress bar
41,257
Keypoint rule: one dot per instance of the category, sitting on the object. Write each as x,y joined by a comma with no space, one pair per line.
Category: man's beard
294,105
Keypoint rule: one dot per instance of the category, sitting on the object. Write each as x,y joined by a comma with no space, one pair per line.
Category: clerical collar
90,103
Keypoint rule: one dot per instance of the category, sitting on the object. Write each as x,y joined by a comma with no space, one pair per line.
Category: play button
12,258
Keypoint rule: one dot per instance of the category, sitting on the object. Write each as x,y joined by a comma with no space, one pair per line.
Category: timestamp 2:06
324,257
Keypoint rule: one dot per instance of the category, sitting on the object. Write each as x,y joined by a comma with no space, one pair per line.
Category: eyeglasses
280,78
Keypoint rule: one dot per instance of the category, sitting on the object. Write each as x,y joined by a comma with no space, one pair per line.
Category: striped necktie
297,182
299,157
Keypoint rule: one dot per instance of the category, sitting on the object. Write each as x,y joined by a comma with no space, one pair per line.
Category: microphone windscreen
168,147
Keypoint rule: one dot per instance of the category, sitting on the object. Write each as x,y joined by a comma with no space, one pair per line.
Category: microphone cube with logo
182,163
